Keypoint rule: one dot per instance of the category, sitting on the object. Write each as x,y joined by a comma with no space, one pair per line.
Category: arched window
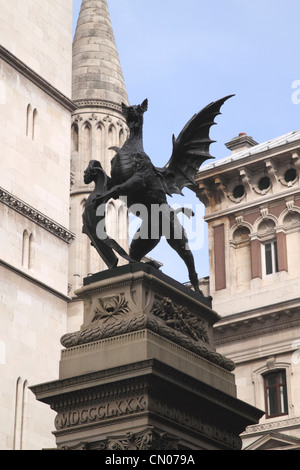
269,247
20,409
34,123
270,257
112,135
101,146
29,120
275,389
122,138
74,138
87,143
27,250
112,141
31,252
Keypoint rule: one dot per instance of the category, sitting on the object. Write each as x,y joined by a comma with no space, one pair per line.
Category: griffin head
134,114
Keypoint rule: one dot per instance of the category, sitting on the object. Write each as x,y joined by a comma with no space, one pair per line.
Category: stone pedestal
143,373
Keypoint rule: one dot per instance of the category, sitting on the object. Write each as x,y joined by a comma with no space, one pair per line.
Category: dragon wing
191,149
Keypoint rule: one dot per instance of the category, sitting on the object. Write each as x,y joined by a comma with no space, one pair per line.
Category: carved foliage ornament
111,307
179,318
148,440
151,440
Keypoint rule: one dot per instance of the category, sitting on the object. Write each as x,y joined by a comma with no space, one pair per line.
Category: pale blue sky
182,55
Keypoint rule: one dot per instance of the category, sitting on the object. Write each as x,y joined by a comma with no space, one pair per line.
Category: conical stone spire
97,73
98,123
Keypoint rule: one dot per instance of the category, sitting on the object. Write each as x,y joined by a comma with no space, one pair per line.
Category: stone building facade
35,82
252,201
52,108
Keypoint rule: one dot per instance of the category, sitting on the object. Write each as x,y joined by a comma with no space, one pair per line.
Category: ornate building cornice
35,78
157,326
279,426
35,216
97,104
37,282
240,328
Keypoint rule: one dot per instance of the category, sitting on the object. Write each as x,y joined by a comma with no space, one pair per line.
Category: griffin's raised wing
191,149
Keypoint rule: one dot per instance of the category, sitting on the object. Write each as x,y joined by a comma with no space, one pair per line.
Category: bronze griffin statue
134,176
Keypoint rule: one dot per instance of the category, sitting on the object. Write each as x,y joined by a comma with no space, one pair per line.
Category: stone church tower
98,89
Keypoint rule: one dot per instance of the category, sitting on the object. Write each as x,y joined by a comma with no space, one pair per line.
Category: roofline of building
285,143
35,78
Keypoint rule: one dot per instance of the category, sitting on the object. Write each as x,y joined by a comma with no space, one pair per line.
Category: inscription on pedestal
101,412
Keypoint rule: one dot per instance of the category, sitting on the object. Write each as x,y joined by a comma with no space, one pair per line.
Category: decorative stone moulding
36,79
98,104
149,439
35,216
249,182
97,119
138,300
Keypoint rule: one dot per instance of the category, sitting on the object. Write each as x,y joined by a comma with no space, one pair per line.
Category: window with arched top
270,257
272,387
74,138
269,252
275,391
27,250
31,122
31,251
87,143
101,146
34,124
122,137
20,413
112,135
112,141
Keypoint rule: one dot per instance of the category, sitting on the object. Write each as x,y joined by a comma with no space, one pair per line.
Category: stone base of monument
143,373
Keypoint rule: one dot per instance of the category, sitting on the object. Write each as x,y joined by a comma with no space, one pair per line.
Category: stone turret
98,90
97,73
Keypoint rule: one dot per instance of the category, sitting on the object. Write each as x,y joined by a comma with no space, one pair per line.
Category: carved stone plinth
143,373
